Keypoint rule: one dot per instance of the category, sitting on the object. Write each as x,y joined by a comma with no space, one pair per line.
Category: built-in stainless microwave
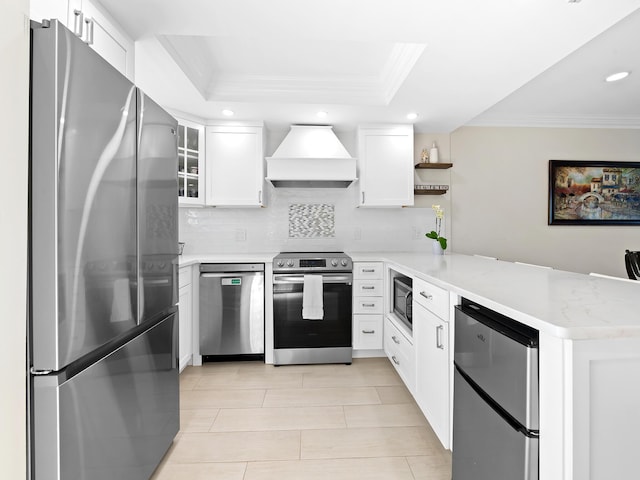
402,298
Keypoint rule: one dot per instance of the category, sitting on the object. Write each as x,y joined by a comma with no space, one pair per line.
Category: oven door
292,331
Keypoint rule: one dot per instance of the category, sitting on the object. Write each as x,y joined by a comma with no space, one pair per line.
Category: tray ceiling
512,62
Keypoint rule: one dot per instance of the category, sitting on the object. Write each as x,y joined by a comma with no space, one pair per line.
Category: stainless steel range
312,307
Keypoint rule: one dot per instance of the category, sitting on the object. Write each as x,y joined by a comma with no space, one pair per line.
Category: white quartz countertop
562,304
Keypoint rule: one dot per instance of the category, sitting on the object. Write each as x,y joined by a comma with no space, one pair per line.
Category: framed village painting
594,193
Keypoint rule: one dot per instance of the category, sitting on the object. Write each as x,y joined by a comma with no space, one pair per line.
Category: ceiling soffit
342,72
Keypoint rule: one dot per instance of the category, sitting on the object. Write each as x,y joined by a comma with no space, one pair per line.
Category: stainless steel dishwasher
231,309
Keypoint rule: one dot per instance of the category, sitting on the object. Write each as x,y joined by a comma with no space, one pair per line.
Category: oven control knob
289,263
280,263
343,262
334,262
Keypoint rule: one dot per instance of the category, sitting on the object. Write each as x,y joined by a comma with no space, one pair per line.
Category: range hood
311,156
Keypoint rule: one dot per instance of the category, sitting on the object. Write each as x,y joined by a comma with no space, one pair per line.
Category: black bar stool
632,262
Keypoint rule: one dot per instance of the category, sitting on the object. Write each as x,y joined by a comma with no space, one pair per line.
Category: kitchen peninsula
589,349
589,353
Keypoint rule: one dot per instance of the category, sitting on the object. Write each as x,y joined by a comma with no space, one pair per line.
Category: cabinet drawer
364,270
401,353
431,297
367,305
367,332
394,337
367,288
184,277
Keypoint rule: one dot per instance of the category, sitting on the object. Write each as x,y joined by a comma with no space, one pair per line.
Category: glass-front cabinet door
190,163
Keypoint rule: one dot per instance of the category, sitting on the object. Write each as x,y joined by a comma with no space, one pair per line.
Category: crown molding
294,89
198,70
190,55
401,61
556,121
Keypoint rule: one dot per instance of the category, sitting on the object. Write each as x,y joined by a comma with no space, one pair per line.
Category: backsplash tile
311,220
215,230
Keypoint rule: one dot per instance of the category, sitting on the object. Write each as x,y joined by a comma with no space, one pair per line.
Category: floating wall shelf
429,192
439,166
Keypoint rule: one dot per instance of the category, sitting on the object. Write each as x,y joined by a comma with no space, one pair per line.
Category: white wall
14,65
220,230
500,196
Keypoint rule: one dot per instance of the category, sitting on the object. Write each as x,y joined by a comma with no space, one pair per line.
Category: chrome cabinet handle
370,305
395,339
259,196
89,37
439,330
78,22
363,198
365,287
368,270
426,295
368,332
395,360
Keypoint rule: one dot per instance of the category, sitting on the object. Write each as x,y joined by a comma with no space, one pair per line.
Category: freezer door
114,420
231,313
158,209
485,446
83,200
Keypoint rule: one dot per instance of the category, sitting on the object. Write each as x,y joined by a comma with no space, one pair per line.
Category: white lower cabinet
185,317
431,339
399,349
367,306
367,332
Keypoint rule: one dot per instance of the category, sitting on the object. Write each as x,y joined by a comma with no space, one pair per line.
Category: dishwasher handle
231,274
231,268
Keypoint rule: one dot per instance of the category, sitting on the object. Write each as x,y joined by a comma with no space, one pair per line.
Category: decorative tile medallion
311,220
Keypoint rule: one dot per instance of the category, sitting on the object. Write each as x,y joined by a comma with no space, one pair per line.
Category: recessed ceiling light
227,113
321,114
617,76
412,116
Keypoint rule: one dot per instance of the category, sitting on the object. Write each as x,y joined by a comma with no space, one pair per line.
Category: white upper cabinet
59,9
385,164
94,26
106,38
191,164
235,165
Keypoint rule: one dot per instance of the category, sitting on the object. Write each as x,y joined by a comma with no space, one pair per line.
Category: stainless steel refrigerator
103,356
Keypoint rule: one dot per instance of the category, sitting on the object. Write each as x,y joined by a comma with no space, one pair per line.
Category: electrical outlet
357,233
417,233
241,235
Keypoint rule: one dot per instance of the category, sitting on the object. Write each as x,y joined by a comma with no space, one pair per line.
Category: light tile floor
251,421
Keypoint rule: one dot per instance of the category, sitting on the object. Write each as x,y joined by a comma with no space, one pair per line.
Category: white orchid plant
435,234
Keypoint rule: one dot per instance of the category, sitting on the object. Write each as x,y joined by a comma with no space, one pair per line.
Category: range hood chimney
311,156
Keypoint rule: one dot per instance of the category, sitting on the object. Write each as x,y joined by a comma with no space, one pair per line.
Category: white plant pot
436,248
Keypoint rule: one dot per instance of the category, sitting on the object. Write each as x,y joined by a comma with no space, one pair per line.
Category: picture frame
586,192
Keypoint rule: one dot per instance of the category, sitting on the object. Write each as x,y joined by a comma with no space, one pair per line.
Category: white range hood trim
311,156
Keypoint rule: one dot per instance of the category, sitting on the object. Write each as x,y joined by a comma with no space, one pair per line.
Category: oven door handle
281,279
